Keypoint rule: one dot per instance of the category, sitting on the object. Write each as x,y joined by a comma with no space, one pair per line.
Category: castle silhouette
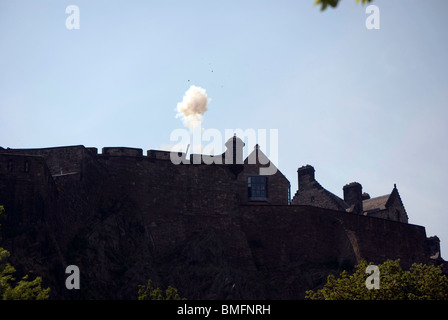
214,231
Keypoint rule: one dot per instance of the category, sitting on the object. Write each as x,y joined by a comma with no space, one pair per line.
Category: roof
258,157
338,201
378,203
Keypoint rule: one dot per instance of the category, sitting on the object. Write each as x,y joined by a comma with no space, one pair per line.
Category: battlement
122,151
59,159
162,155
137,152
92,150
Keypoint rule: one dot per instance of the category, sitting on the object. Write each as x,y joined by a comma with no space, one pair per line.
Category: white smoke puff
193,106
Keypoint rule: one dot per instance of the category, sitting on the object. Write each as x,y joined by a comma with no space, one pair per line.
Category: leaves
148,292
420,282
333,3
25,289
325,3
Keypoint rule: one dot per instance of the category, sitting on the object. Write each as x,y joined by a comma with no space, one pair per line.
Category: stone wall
60,160
298,246
26,188
29,227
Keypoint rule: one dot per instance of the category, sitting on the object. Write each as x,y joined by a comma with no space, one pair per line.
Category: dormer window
257,188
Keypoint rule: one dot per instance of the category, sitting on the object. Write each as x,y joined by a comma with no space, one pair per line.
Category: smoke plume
193,106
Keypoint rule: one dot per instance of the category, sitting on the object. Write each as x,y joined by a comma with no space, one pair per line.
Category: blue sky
357,104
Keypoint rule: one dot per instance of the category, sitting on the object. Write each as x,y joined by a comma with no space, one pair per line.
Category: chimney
353,197
234,152
306,176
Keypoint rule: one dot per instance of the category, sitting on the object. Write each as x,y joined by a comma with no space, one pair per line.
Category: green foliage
333,3
24,289
148,292
420,282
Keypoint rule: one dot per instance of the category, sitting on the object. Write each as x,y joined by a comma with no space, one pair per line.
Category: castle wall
293,240
59,160
78,178
162,192
26,188
370,238
29,196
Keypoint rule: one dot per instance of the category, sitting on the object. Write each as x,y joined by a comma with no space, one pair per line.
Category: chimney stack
353,196
305,176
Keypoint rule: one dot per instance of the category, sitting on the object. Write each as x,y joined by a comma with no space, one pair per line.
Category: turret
234,152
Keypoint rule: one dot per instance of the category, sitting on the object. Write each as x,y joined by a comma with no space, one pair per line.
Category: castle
214,231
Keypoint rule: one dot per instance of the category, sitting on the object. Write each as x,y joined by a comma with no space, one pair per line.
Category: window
257,188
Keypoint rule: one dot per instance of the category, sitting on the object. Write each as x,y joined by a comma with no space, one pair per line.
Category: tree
148,292
24,289
333,3
420,282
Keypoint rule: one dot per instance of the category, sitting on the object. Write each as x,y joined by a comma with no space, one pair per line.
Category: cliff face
124,219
